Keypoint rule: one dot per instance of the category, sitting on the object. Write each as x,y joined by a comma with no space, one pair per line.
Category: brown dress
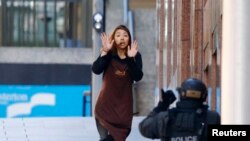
114,106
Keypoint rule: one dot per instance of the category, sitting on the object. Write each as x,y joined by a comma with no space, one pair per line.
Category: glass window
45,23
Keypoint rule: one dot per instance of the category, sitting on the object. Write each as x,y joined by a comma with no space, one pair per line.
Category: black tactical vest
186,124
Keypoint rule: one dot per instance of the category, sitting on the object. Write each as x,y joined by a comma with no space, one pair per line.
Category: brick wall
196,43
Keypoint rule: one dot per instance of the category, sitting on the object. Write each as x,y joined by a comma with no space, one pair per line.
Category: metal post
45,24
98,6
235,104
131,24
125,12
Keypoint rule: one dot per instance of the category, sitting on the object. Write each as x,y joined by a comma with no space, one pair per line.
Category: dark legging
102,131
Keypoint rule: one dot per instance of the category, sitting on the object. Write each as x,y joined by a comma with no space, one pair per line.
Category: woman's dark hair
122,27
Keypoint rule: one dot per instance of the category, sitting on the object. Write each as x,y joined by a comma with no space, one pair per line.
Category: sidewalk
57,129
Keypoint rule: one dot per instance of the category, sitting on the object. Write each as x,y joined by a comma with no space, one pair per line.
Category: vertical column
161,42
169,42
235,105
46,44
198,35
98,6
185,39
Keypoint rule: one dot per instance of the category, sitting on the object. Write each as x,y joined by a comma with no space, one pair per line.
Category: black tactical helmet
193,88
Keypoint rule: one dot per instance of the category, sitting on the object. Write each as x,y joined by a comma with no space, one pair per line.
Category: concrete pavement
57,129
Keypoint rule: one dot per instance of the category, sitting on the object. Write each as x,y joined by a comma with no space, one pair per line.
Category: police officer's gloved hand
168,98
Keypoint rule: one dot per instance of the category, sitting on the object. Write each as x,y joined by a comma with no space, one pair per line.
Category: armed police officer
187,121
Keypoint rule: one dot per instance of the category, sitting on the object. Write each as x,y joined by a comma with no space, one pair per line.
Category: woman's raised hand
107,43
133,49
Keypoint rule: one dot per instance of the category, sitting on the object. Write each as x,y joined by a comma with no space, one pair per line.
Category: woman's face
121,39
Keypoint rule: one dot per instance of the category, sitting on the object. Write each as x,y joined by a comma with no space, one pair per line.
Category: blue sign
40,101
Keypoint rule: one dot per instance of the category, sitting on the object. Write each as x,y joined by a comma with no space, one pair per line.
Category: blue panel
209,91
87,106
38,100
218,99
